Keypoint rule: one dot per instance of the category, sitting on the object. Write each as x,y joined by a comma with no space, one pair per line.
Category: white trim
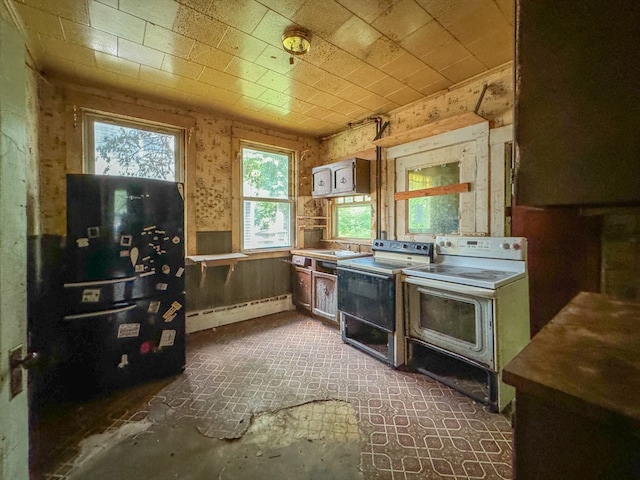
211,318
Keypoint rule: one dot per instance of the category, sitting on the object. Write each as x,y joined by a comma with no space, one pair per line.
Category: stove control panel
406,248
508,248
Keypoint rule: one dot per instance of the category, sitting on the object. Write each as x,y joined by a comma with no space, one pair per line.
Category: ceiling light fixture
295,42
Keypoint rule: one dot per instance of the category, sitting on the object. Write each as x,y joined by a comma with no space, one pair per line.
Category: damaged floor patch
317,440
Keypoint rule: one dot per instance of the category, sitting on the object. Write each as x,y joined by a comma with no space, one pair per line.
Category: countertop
328,255
587,358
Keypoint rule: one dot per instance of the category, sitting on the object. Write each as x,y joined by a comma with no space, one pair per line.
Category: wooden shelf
433,191
216,260
430,129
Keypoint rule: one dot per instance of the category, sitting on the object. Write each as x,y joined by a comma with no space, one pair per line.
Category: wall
208,181
16,89
496,107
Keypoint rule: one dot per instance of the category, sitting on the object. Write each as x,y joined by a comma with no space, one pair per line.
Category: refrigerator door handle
99,313
100,282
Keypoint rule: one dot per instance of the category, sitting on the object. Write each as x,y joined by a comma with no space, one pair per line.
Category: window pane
437,214
266,224
353,221
265,174
132,152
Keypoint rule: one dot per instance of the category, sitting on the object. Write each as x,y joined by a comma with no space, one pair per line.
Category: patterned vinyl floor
410,426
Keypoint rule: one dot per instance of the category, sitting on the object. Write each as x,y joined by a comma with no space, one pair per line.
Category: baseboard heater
215,317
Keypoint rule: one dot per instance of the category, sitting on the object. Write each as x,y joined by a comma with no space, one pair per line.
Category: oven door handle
445,287
367,273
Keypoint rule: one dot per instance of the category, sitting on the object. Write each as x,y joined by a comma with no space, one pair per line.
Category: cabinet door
343,179
325,298
301,286
321,182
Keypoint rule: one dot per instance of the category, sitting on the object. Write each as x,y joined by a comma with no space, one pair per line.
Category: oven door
454,318
368,296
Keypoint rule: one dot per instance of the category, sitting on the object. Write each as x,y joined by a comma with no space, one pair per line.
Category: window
267,204
116,146
352,217
436,214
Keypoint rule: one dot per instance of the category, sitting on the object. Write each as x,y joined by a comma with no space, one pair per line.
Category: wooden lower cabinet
325,295
302,287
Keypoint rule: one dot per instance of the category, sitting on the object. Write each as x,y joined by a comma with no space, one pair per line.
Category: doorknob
16,363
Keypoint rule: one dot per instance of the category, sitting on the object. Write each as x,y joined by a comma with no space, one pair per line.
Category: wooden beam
430,129
432,192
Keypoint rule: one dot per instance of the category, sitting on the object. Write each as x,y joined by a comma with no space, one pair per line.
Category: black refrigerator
124,300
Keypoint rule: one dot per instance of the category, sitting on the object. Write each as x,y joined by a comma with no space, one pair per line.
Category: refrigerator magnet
179,272
168,338
125,240
128,330
91,295
124,360
161,286
82,242
154,306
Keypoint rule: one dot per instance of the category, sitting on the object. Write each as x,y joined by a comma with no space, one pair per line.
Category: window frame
88,125
335,205
290,200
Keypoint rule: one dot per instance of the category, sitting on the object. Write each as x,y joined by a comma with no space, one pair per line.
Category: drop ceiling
367,57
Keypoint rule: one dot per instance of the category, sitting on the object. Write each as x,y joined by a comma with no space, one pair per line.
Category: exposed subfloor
276,397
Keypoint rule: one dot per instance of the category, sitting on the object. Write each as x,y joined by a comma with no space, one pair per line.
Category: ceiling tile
404,96
249,103
40,21
120,66
275,81
346,108
302,91
116,22
182,67
323,19
368,10
271,28
201,6
355,36
111,3
245,69
386,86
402,19
241,14
210,57
319,112
423,78
495,48
381,52
465,68
403,66
331,83
168,41
299,106
201,27
157,76
324,99
366,75
91,37
160,12
241,45
76,53
435,87
139,53
275,59
376,103
69,9
306,72
274,98
340,63
285,8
